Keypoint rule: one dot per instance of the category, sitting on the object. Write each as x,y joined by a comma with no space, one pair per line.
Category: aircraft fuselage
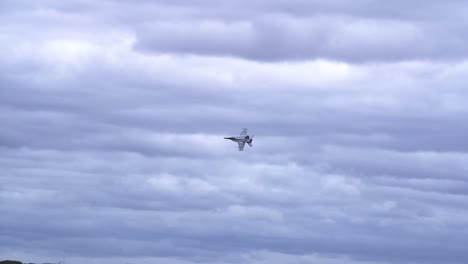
245,139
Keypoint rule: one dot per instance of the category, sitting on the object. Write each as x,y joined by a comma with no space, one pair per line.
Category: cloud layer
113,117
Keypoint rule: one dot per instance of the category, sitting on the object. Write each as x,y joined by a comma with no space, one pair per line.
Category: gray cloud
114,155
277,38
357,32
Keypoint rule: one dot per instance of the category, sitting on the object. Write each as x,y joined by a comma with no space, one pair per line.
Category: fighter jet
242,139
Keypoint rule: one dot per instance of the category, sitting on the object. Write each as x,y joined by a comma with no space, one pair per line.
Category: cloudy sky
113,115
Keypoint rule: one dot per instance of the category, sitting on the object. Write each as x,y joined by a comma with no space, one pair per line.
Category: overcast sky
113,113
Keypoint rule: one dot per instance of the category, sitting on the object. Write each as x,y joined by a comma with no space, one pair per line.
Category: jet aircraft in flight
242,139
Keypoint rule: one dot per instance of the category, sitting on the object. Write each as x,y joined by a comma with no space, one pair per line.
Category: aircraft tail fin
251,140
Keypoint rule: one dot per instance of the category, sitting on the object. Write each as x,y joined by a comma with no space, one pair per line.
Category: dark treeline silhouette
19,262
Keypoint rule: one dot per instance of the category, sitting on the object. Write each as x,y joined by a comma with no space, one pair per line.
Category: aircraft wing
244,132
241,145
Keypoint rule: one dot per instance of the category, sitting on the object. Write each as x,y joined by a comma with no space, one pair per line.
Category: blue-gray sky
113,115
